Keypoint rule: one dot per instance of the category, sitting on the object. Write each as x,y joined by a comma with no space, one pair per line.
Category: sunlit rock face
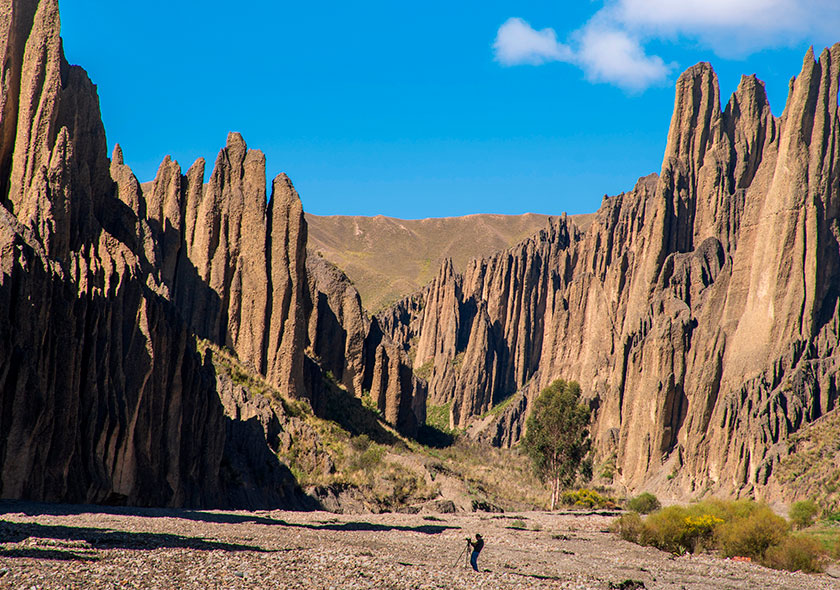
699,311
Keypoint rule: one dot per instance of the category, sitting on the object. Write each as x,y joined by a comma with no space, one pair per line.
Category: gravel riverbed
62,547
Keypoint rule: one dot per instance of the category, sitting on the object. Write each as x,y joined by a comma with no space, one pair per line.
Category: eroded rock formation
106,287
699,311
352,347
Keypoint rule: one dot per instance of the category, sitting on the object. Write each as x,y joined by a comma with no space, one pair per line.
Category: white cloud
729,28
613,56
605,55
698,14
610,47
517,43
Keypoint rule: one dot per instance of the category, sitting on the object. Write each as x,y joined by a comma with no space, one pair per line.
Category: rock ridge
108,287
699,310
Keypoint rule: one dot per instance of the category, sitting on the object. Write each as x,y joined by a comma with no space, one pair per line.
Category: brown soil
51,547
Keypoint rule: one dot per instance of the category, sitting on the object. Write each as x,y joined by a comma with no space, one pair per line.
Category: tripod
463,553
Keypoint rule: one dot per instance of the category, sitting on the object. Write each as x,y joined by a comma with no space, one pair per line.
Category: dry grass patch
500,477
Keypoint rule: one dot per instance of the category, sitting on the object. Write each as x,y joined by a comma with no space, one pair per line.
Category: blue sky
427,109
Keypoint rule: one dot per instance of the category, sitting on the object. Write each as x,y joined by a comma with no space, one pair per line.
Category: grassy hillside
388,258
350,459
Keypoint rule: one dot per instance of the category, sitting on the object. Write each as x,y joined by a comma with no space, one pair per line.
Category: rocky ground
49,546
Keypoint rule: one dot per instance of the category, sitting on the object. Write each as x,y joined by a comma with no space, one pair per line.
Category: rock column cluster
699,311
106,284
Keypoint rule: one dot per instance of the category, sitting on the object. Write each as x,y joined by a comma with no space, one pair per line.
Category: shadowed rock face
104,286
699,311
353,348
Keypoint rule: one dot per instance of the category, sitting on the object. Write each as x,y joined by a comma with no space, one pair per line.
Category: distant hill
388,258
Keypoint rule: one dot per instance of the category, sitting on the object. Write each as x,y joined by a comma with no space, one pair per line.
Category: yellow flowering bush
586,498
741,528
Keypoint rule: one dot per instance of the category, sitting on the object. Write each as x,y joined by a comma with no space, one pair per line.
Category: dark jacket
477,546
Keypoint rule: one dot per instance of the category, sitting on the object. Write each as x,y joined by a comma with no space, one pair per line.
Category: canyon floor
61,547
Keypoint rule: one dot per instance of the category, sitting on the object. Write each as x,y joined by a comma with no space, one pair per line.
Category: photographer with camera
476,546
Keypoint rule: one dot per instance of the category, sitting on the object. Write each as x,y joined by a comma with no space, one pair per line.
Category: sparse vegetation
811,467
425,370
608,467
226,362
369,454
735,529
386,275
518,524
556,436
457,361
370,404
438,416
502,405
495,477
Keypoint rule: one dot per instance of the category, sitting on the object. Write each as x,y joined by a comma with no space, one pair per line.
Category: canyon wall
699,311
107,287
352,348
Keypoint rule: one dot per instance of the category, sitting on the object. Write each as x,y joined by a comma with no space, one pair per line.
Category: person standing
476,546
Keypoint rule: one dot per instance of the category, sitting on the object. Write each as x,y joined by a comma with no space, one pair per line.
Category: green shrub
664,530
752,535
629,527
370,404
518,524
644,503
608,467
803,513
796,554
586,498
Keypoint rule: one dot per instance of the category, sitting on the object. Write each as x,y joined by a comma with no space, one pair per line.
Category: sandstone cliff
699,310
106,287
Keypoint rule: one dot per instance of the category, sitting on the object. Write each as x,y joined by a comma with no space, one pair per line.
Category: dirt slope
388,258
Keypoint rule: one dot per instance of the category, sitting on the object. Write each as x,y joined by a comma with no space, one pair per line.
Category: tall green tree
557,435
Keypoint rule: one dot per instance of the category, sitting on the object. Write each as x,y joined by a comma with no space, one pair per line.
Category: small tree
557,436
803,513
